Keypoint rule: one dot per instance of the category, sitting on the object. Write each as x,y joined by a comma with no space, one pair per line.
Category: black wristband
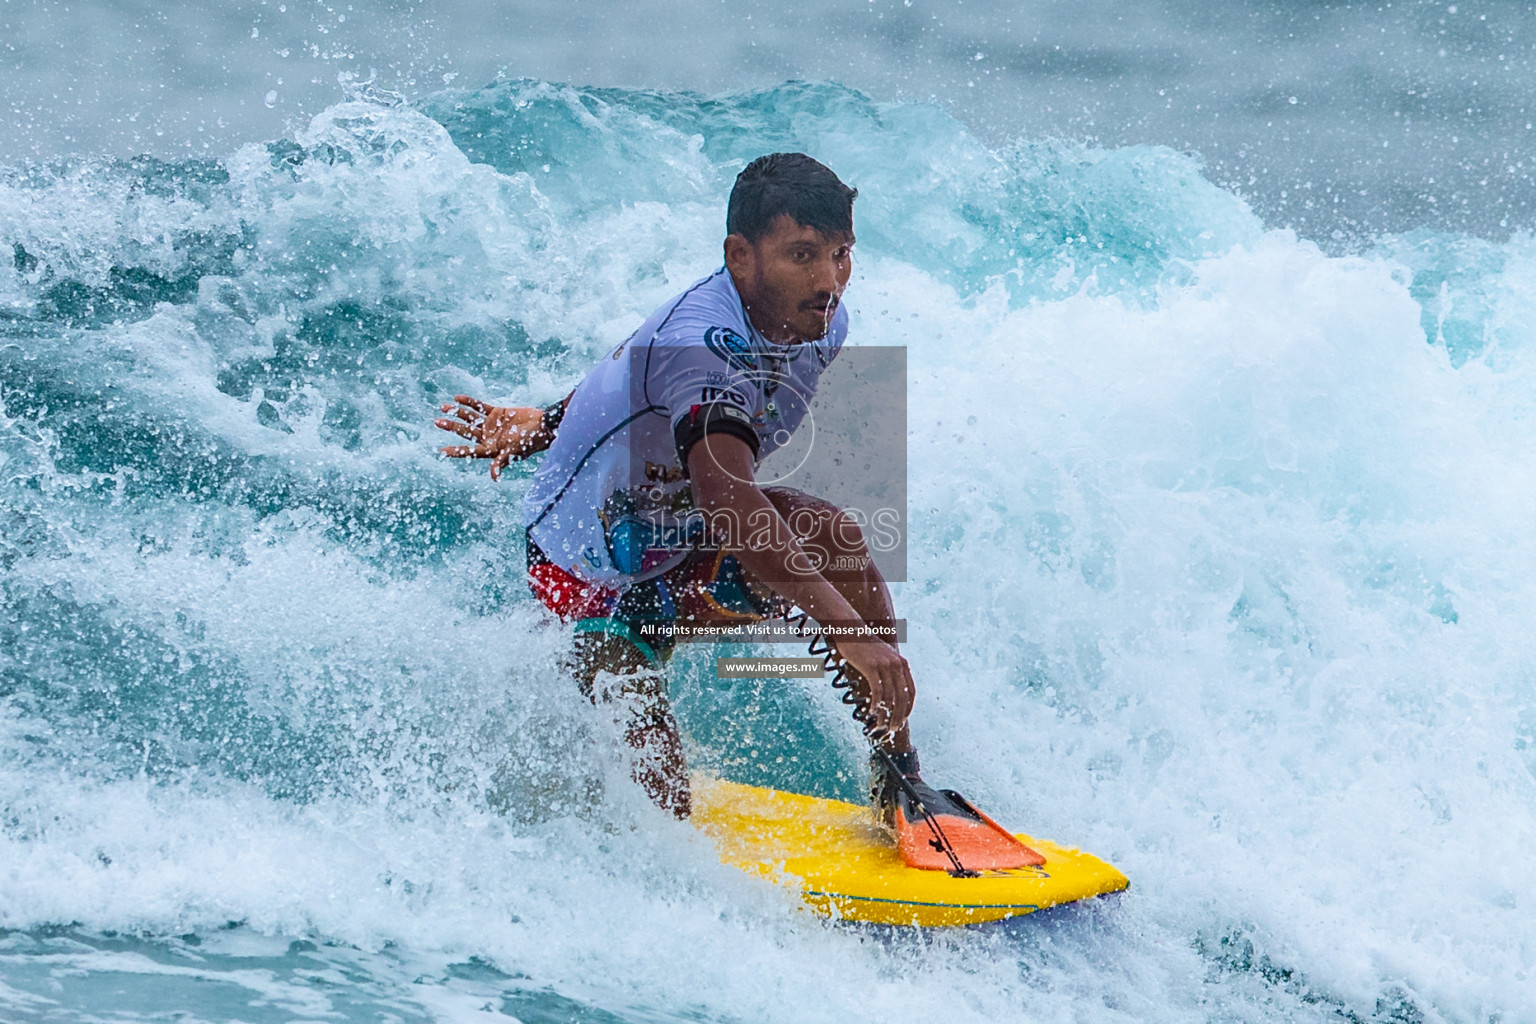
715,418
553,414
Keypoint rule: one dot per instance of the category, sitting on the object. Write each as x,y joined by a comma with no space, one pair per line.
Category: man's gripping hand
883,683
500,433
722,470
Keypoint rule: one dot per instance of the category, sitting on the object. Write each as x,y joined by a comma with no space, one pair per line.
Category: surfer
646,515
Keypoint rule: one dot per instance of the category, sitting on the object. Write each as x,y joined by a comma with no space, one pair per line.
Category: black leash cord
822,648
832,662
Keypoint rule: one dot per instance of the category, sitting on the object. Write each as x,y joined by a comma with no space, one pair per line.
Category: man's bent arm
721,469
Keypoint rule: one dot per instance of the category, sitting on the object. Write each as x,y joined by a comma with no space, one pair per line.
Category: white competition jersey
608,502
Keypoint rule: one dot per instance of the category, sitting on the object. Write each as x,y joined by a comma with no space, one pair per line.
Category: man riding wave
646,513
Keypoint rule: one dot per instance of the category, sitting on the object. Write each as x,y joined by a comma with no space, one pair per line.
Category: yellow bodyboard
845,865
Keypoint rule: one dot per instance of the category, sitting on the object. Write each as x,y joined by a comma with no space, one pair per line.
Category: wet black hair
791,183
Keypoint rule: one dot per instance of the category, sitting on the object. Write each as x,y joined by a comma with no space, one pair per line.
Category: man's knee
594,653
847,534
819,523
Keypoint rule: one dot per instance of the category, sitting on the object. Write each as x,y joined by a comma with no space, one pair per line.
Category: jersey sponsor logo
716,394
640,539
731,347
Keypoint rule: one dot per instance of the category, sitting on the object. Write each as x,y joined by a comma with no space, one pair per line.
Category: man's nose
825,277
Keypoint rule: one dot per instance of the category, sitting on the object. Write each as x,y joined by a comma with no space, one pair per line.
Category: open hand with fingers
500,433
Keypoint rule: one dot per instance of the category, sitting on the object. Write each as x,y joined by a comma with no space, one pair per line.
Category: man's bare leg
658,764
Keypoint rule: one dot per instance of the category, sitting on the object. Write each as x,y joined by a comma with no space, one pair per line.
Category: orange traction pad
979,844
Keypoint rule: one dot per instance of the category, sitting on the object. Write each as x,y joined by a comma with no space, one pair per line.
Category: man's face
791,279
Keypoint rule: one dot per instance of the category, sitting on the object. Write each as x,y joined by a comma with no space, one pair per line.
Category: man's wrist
550,417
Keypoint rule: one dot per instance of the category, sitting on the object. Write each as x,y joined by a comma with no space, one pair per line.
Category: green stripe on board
919,903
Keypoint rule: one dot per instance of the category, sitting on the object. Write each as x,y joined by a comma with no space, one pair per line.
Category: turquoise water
1342,120
1221,568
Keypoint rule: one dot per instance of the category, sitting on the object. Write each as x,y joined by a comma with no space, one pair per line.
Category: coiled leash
842,681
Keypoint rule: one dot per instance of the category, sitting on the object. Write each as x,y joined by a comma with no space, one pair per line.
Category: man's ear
740,259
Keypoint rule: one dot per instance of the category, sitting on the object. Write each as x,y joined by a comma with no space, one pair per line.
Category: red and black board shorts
709,586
